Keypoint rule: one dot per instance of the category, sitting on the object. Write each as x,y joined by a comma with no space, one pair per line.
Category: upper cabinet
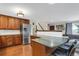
11,23
24,21
17,23
3,22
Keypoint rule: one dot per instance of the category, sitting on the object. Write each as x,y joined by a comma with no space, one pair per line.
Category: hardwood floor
33,49
20,50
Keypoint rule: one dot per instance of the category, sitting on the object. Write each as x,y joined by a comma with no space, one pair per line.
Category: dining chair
75,51
65,49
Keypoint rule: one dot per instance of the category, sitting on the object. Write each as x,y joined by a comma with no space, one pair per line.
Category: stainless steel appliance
26,30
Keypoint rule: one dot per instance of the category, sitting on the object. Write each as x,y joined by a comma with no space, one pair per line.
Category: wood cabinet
17,40
24,21
0,42
41,50
17,23
10,40
3,22
6,41
3,41
11,23
38,49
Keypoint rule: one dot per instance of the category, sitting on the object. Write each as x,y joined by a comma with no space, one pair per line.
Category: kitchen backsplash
9,32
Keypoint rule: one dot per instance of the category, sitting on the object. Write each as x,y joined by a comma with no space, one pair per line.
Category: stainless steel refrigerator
25,31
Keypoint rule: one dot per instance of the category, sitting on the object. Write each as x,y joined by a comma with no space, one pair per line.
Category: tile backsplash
9,32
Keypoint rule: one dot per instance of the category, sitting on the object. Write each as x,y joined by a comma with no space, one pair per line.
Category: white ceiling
43,11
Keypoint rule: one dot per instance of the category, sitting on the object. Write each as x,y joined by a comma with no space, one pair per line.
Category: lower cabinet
17,40
10,40
41,50
3,41
38,49
0,43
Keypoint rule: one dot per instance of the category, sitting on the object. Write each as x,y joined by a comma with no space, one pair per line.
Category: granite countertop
9,32
51,41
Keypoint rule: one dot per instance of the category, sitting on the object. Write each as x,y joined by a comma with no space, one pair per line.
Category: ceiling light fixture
20,13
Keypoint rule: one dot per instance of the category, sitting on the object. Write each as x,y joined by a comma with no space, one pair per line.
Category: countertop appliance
26,30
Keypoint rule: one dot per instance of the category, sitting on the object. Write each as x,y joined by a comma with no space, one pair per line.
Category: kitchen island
45,45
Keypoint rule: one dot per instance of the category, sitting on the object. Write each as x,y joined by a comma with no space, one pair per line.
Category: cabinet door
17,39
4,41
38,49
9,40
14,23
17,23
3,22
11,23
0,43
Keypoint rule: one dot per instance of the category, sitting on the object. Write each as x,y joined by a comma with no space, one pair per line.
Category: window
75,28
